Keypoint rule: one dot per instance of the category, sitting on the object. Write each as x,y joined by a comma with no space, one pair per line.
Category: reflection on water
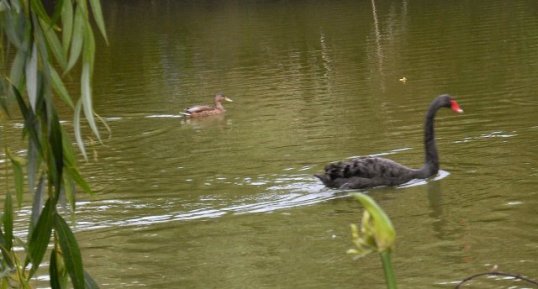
230,201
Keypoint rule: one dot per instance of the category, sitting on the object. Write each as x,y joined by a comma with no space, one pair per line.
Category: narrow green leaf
69,191
77,129
37,203
37,6
59,87
31,78
7,221
78,179
22,105
2,238
30,123
89,47
4,98
89,282
54,44
67,22
71,252
69,153
16,6
17,69
98,16
56,147
40,237
69,162
6,254
86,96
56,139
77,39
13,28
54,274
33,164
70,166
16,163
57,11
29,118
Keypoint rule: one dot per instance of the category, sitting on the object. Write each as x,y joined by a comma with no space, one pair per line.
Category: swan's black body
367,172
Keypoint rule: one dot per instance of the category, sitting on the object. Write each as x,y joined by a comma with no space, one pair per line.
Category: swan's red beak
455,106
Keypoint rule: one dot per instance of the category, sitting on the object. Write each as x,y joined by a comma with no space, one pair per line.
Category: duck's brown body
207,110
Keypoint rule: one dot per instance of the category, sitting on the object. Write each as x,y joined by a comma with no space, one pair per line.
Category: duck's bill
228,99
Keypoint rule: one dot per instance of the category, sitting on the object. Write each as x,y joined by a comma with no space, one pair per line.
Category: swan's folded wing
366,167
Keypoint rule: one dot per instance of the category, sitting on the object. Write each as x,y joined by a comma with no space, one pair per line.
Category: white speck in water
514,203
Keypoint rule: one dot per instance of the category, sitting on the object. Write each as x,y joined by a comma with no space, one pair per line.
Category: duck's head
220,98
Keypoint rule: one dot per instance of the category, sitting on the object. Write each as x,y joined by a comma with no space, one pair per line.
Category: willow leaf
69,191
37,203
69,153
56,145
22,105
77,129
18,174
78,179
86,96
31,78
57,11
33,164
89,282
7,220
30,125
98,16
6,254
37,6
77,39
71,252
54,273
12,29
40,237
60,88
89,47
54,44
16,6
67,22
17,69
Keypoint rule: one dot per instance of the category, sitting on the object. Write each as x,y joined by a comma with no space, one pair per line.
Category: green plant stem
390,278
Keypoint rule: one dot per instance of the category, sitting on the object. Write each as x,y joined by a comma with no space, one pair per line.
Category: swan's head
447,101
220,98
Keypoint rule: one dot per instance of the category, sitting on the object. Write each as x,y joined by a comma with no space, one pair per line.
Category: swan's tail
324,178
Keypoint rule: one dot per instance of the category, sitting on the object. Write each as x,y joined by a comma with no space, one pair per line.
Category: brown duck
207,110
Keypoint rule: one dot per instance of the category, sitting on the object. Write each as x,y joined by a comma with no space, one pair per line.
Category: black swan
207,110
367,172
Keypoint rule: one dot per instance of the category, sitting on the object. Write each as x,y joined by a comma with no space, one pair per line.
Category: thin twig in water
515,276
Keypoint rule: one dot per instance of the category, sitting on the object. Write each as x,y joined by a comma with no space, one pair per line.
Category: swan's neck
431,162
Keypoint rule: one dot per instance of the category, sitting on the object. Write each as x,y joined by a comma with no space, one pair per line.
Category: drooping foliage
42,41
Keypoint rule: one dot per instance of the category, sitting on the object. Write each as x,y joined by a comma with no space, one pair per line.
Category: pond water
230,201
